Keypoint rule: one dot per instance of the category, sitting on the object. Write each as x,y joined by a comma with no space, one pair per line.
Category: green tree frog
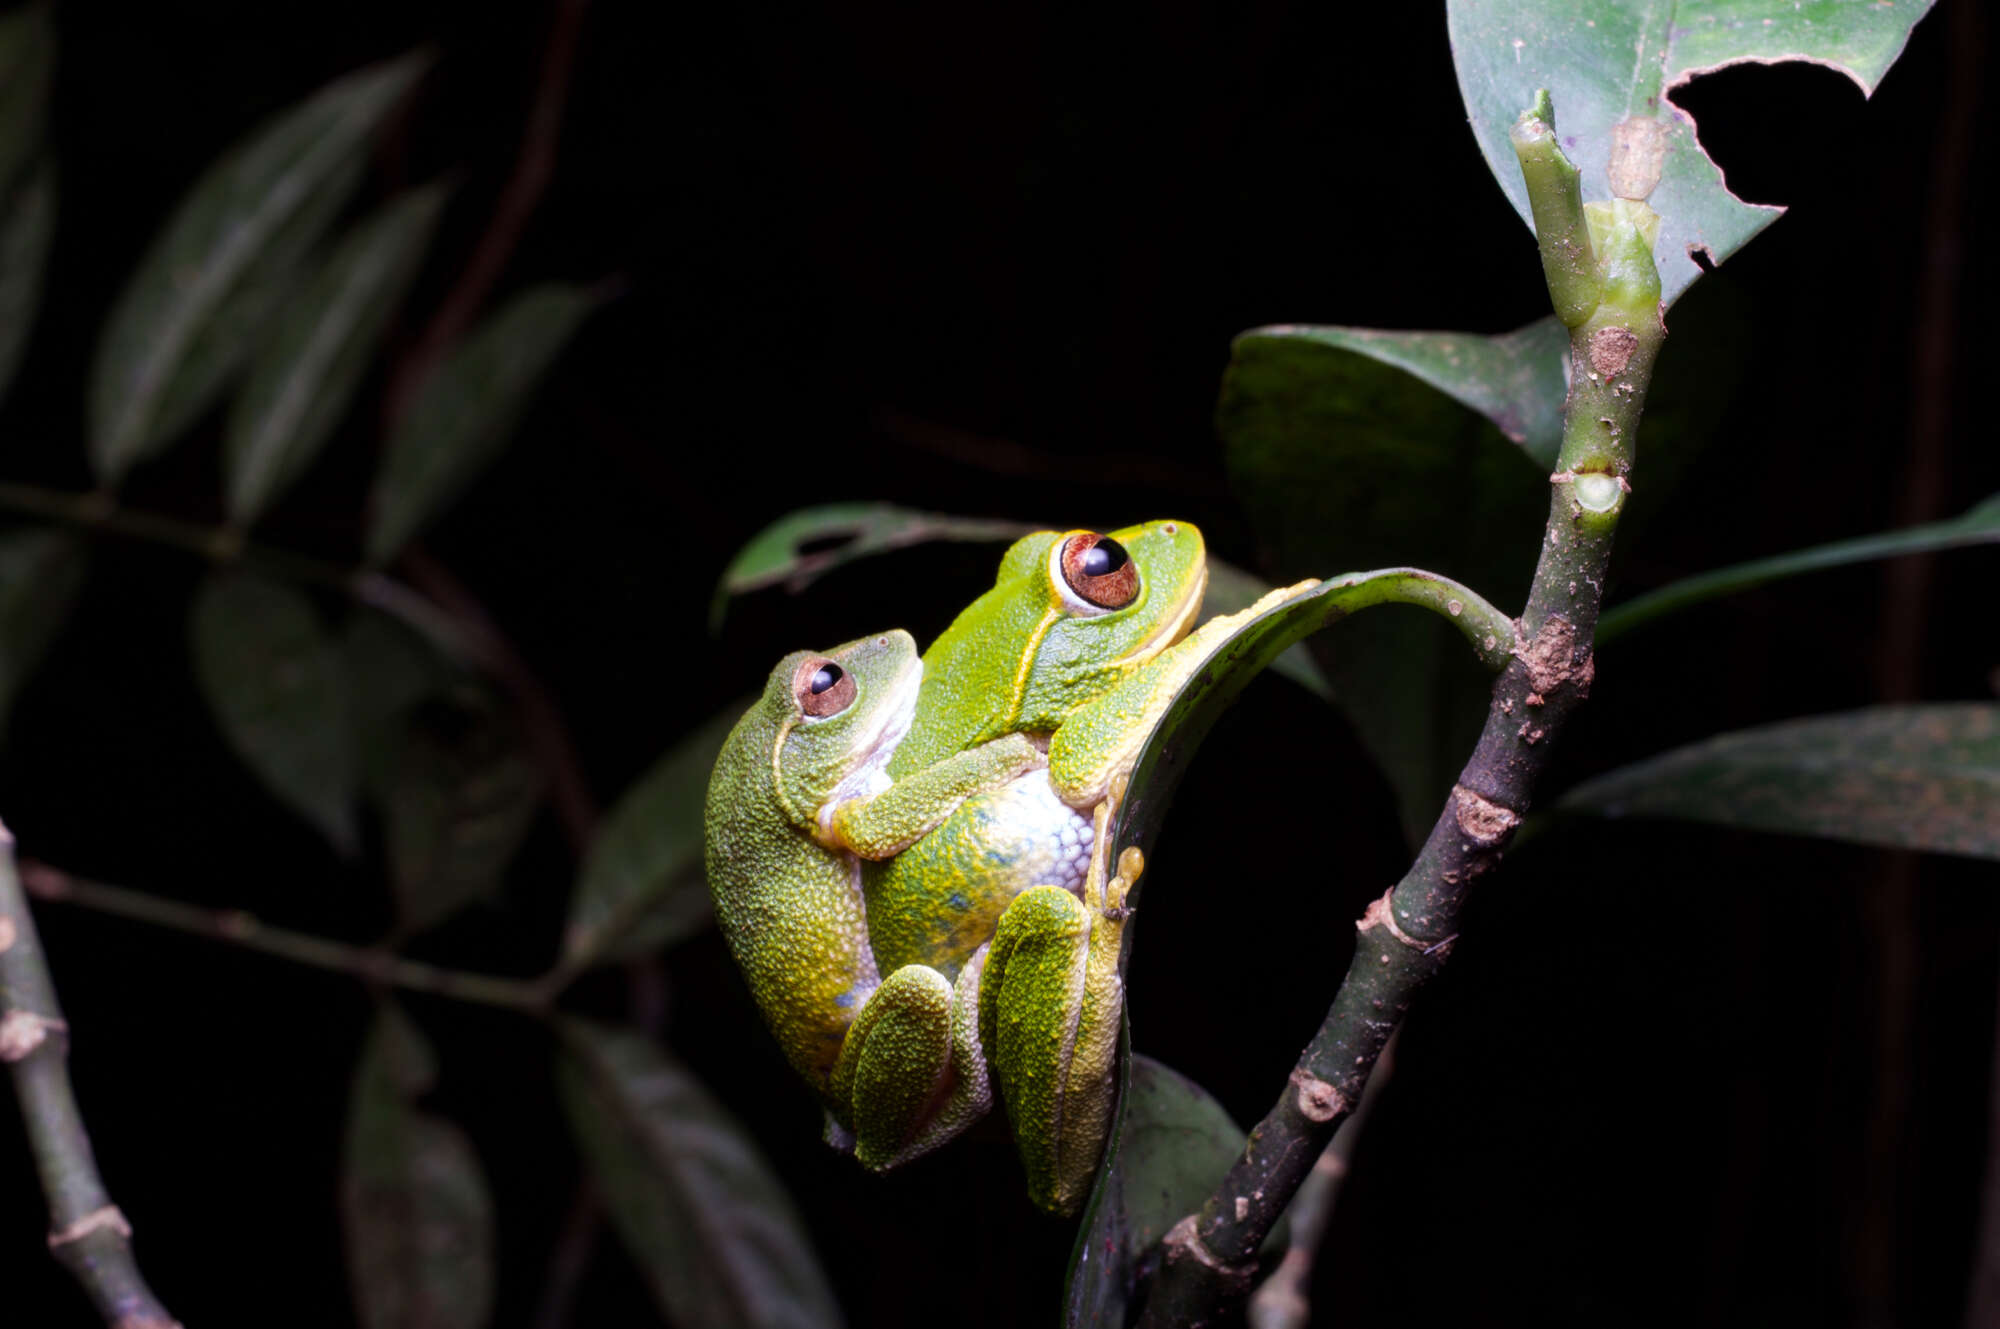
787,896
1025,866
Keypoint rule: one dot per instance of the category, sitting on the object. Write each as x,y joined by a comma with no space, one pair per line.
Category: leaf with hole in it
27,71
466,408
1172,1143
706,1222
27,223
642,886
1979,526
1606,60
300,384
463,796
801,547
1901,777
272,676
40,574
196,307
414,1203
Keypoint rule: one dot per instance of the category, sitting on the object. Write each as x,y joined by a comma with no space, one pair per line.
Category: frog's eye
1099,570
822,687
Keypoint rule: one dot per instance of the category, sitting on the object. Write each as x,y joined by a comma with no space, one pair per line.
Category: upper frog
1069,615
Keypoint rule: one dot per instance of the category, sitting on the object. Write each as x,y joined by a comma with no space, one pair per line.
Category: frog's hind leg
911,1072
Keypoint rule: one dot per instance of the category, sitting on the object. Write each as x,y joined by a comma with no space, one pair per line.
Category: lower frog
787,895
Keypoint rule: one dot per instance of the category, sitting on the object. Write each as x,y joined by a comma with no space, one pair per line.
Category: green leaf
1514,379
300,384
414,1204
707,1224
272,677
642,885
1583,52
40,574
27,223
1173,1143
27,71
1979,526
801,547
1901,777
1344,460
464,796
466,408
389,668
199,302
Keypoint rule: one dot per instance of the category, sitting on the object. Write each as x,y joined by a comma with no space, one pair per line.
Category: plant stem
87,1233
100,514
1406,936
369,964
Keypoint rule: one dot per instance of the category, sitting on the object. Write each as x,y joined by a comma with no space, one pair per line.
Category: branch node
21,1032
96,1220
1483,821
1183,1242
1318,1100
1381,913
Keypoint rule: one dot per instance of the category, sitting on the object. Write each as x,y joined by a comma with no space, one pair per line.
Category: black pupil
1104,558
824,679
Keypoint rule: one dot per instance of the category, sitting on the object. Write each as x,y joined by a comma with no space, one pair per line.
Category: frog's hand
1101,739
1048,1015
911,1074
887,823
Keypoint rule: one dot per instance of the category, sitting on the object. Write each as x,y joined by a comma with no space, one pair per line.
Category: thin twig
87,1233
1406,936
100,514
369,964
533,168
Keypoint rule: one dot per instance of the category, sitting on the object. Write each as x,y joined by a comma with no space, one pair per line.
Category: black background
989,261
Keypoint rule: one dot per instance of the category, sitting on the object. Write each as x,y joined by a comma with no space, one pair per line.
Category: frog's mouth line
1175,627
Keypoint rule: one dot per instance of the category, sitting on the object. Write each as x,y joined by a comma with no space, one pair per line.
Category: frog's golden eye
1098,569
822,687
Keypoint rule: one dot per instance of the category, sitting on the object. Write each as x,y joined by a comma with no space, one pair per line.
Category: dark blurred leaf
466,409
272,676
27,70
1583,51
27,222
413,1199
1902,777
642,885
1979,526
709,1227
300,383
390,668
464,797
1344,460
40,574
195,308
1514,379
1173,1143
801,547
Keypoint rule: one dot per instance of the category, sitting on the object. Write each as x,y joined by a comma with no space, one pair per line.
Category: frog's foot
911,1073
